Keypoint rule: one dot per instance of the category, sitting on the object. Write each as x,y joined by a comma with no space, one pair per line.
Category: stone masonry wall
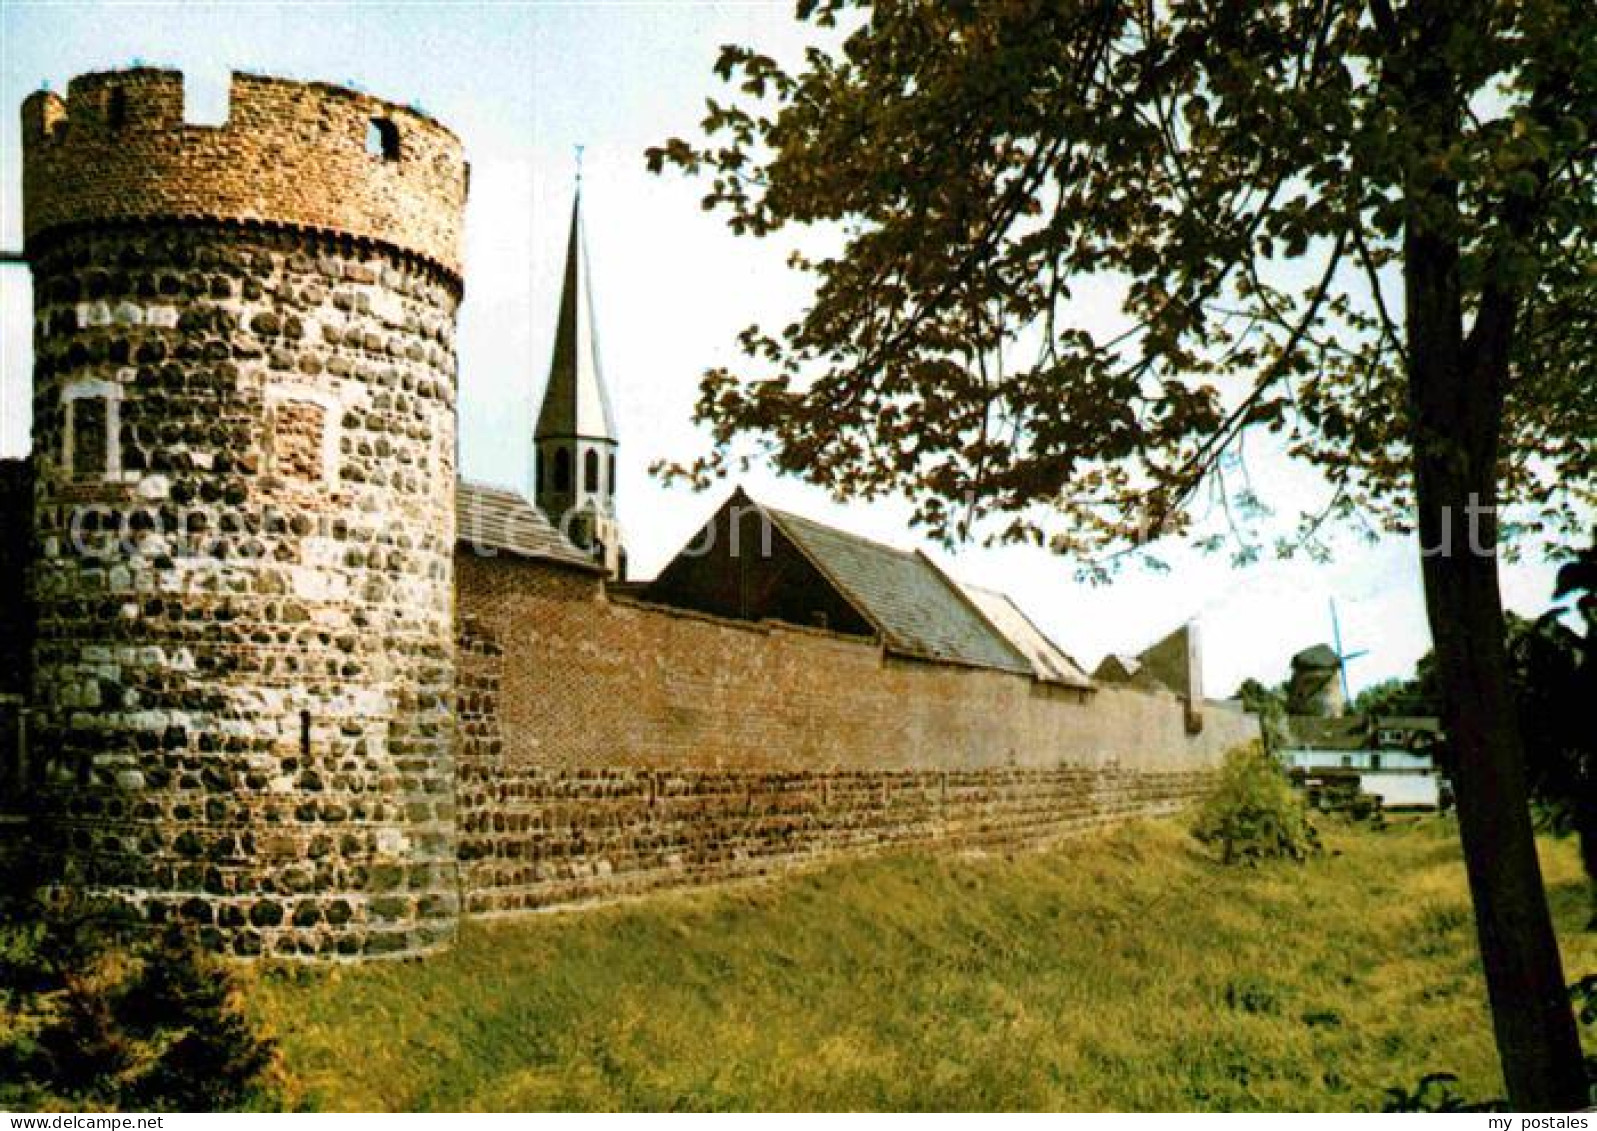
16,536
16,636
244,665
610,747
534,838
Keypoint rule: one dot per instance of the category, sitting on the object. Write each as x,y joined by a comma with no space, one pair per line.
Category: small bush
93,1017
1253,813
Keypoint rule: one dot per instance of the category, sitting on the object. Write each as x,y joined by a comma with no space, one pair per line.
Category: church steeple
576,437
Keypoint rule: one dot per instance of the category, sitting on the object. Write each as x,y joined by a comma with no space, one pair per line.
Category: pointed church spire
576,402
576,436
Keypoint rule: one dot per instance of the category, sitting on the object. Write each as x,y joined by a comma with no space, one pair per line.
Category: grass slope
1125,971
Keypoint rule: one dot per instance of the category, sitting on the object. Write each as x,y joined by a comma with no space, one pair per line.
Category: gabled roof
1049,662
1175,662
501,521
916,608
576,402
1117,668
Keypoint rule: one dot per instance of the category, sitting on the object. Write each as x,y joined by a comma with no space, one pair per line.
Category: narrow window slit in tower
305,733
116,108
382,139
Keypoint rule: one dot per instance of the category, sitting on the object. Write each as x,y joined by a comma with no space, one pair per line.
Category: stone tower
576,437
244,427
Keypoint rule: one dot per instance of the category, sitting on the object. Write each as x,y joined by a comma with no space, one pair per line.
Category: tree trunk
1585,785
1586,827
1535,1025
1456,392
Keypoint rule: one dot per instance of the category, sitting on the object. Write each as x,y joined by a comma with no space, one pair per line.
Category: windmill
1342,657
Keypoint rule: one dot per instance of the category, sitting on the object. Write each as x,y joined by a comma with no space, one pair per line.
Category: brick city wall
591,682
609,746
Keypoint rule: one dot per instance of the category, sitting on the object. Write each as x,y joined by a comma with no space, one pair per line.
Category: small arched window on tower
611,483
116,109
562,470
590,472
382,139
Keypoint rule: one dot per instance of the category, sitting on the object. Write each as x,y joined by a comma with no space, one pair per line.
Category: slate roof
500,520
917,609
1049,662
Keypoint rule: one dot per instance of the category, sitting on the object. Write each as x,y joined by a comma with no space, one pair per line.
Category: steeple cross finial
580,148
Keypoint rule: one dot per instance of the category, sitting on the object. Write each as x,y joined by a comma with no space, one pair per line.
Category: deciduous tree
1362,225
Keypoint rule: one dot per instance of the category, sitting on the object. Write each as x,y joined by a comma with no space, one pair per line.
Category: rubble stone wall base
535,839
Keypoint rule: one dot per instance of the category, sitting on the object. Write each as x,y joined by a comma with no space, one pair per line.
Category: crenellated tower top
291,155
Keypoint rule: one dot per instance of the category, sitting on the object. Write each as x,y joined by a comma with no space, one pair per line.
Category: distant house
1393,756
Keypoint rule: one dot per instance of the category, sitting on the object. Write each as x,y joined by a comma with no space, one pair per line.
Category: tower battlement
297,155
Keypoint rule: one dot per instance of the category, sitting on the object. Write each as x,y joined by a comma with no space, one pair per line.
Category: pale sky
522,84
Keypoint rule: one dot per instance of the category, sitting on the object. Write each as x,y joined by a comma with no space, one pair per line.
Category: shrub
1253,813
95,1017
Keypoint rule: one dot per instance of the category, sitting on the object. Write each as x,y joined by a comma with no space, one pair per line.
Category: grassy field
1125,971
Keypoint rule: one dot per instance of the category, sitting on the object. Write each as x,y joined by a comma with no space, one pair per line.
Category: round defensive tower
244,432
